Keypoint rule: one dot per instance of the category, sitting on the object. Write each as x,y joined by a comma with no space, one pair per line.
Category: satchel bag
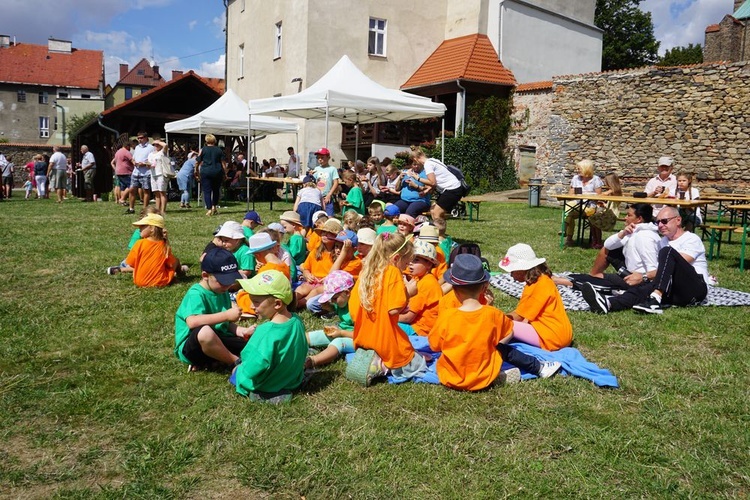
604,219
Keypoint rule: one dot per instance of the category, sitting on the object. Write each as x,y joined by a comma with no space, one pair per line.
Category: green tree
628,40
75,123
679,56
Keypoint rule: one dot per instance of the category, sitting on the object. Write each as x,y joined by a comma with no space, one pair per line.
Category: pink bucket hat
335,282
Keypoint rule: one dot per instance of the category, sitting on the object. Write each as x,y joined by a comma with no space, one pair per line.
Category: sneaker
549,368
184,269
650,306
129,211
113,270
512,376
596,301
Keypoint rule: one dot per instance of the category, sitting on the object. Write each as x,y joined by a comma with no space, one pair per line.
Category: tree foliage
628,40
480,152
75,123
680,56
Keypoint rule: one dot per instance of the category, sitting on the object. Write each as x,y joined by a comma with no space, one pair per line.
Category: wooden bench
716,234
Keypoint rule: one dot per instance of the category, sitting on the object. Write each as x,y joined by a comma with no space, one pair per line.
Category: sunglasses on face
665,221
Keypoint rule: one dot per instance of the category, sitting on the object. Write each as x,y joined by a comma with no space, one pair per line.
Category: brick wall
625,121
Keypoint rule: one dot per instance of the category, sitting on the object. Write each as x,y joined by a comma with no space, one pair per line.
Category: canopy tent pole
326,145
356,139
199,152
247,163
442,141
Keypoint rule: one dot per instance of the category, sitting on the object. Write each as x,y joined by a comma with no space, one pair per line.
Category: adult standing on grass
159,162
40,176
211,165
327,179
447,185
88,166
7,170
58,171
140,181
185,178
123,166
680,279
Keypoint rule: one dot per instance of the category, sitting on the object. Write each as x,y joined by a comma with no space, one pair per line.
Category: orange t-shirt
439,270
450,301
313,240
353,267
542,305
467,339
425,304
243,298
151,266
318,268
378,329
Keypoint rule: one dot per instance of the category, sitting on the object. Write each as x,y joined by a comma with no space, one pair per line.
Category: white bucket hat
520,257
232,230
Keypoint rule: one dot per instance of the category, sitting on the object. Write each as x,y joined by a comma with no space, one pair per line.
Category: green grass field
93,402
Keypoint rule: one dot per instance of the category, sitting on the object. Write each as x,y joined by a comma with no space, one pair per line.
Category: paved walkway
514,195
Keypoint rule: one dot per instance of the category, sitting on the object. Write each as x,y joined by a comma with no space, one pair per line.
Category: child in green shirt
205,328
273,362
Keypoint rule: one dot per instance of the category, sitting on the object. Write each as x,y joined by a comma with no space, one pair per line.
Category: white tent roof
228,116
345,94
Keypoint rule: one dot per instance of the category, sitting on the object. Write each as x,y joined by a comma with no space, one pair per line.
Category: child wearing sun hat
273,361
473,337
539,318
337,339
295,236
425,293
151,260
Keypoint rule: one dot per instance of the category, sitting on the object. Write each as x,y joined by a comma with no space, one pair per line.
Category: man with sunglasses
680,279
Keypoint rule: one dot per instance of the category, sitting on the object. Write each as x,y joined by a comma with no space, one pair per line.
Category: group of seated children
383,288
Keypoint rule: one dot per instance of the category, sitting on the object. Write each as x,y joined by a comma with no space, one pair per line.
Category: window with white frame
241,62
277,45
376,43
44,126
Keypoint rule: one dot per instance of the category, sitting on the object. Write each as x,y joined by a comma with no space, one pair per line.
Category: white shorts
159,183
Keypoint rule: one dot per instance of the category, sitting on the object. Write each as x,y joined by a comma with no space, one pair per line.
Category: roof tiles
471,58
36,65
142,75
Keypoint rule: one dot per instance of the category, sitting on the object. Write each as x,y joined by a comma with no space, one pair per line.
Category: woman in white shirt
440,179
584,182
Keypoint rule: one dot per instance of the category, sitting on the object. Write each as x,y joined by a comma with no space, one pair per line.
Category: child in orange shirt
422,312
539,318
375,303
473,338
151,260
313,235
318,264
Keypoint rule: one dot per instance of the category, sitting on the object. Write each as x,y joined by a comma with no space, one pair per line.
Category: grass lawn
93,403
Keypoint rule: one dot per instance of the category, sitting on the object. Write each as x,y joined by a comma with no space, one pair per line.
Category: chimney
737,5
123,70
55,45
4,41
176,74
156,72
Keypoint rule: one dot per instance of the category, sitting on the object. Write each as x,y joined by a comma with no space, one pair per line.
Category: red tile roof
470,57
146,78
36,65
215,83
533,86
713,28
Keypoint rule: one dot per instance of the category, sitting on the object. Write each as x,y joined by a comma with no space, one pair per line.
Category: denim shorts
139,180
124,181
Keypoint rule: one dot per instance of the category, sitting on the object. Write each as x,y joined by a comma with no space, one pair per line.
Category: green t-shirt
245,261
199,300
293,267
297,247
136,236
386,228
447,245
346,322
274,358
356,201
248,231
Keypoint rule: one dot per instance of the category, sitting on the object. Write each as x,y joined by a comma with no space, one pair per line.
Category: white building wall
537,44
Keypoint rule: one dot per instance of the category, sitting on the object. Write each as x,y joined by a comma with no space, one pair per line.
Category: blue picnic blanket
573,363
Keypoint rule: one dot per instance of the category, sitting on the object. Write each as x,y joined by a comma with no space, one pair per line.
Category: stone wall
21,154
625,121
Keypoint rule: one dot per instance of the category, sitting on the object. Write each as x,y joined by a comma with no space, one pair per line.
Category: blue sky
188,34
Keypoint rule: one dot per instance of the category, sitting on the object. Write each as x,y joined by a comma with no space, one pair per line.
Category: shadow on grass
318,381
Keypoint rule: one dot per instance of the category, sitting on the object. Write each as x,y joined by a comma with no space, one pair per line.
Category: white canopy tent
228,116
347,95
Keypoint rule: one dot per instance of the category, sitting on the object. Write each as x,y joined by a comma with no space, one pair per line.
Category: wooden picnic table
293,181
744,208
726,202
578,201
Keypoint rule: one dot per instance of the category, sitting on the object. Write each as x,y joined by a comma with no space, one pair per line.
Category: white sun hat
520,257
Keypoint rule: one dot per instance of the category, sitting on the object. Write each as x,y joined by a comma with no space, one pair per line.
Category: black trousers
676,278
517,358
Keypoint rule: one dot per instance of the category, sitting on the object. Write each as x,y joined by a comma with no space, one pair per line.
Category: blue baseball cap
222,264
391,211
347,235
